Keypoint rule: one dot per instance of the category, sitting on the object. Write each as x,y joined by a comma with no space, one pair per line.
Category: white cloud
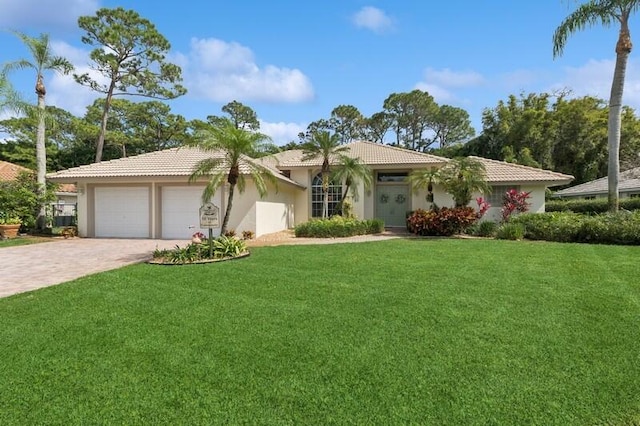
62,90
282,133
440,94
441,84
373,19
448,78
222,72
594,79
519,79
44,13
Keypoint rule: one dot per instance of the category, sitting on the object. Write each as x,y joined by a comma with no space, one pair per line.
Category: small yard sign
209,216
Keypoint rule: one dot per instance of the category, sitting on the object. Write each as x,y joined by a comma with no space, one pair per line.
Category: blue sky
293,61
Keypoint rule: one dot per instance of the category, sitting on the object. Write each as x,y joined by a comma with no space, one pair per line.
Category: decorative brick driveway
25,268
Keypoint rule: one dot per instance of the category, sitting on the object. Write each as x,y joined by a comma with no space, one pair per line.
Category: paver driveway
29,267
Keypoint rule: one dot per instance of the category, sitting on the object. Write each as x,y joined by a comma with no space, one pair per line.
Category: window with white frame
335,195
496,198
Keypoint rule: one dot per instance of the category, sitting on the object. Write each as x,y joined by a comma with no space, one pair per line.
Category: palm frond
589,14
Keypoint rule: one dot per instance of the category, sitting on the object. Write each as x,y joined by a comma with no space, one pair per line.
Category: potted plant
9,226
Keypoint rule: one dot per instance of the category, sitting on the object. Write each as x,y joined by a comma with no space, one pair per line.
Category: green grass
398,332
23,240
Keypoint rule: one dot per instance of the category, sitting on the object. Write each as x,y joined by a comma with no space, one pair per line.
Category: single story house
148,196
628,187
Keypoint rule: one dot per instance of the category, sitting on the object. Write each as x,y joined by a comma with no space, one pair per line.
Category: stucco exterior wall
275,212
536,201
302,200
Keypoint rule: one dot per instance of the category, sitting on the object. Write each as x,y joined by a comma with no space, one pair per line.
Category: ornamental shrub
608,228
485,228
514,202
598,205
510,231
338,226
443,221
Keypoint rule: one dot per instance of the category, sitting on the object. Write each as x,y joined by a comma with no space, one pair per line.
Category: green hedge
337,226
606,228
598,205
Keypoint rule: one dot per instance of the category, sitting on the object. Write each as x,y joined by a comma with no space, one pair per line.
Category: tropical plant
352,171
463,176
424,178
325,146
514,202
130,54
42,59
21,199
230,147
9,98
605,12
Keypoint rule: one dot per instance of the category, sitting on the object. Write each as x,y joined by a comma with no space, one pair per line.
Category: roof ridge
399,148
521,166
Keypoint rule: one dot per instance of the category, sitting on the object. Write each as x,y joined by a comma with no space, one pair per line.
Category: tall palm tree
424,178
605,12
352,171
463,176
230,147
9,98
327,147
42,59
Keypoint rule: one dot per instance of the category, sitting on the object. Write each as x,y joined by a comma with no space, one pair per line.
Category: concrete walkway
34,266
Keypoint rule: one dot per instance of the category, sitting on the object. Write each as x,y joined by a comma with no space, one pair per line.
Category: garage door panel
122,212
181,211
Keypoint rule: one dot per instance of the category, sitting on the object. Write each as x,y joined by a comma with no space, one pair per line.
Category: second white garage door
122,212
181,211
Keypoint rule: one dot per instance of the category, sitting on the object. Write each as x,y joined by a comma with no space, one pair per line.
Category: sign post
210,218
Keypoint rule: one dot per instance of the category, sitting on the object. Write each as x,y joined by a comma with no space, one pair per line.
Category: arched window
335,195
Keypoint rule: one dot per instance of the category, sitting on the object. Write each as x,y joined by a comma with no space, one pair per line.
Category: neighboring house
628,187
148,196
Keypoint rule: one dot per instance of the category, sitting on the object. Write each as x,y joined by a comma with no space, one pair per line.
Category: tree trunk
623,48
227,211
325,195
41,155
103,123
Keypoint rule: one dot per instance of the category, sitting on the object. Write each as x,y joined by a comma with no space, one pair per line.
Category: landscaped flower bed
218,249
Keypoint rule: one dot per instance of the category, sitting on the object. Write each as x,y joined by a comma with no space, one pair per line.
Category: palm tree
605,12
233,145
42,60
463,176
352,171
9,98
327,147
424,178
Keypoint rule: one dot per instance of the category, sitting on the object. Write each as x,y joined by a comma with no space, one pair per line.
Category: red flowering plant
483,207
514,202
441,221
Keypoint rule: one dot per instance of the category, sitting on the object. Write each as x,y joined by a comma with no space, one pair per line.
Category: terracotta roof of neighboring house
67,188
629,181
10,171
370,153
169,162
501,171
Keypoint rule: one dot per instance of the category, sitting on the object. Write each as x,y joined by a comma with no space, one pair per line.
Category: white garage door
122,212
181,211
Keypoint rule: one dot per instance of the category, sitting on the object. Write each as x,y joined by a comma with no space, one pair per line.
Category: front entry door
392,204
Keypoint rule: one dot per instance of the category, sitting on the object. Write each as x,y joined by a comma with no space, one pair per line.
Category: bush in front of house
220,248
444,221
598,205
485,228
607,228
510,231
338,226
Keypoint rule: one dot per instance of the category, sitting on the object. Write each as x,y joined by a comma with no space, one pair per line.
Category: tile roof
629,181
10,171
501,171
67,188
373,154
177,162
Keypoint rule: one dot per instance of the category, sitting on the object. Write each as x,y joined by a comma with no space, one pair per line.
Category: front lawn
395,332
